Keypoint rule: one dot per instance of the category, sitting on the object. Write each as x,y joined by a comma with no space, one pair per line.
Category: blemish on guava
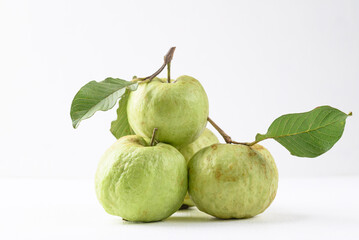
181,183
252,154
218,174
214,146
257,147
230,178
230,167
144,213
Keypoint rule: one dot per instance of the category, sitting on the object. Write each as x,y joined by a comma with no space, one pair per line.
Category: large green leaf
308,134
120,127
97,96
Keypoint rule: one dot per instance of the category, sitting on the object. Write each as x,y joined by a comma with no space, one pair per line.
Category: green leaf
308,134
97,96
120,127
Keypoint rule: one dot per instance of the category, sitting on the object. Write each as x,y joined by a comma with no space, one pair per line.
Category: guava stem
167,60
153,137
169,72
225,136
252,143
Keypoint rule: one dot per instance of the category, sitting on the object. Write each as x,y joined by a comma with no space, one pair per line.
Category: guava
233,181
178,109
206,139
140,182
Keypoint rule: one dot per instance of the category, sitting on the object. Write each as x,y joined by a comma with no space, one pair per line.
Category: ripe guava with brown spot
233,181
140,182
178,109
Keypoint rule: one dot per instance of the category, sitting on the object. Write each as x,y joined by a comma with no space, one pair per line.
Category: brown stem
167,60
225,136
169,72
252,143
153,137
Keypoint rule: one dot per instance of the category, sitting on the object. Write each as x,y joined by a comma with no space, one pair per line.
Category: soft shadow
193,216
271,216
278,216
189,215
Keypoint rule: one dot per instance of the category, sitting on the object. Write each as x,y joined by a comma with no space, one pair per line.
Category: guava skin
179,110
206,139
141,183
233,181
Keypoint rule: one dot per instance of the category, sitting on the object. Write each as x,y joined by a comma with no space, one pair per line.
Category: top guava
179,110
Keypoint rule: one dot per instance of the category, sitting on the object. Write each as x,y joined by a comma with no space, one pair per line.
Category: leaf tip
350,114
75,124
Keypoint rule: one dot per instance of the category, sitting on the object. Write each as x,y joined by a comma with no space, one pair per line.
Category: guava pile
166,159
143,182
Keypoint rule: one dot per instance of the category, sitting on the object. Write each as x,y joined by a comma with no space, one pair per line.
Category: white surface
317,208
257,60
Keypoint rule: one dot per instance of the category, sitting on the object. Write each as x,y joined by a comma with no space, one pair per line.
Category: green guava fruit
178,109
206,139
140,182
232,181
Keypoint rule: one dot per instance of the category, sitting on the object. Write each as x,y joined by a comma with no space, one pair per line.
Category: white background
256,60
